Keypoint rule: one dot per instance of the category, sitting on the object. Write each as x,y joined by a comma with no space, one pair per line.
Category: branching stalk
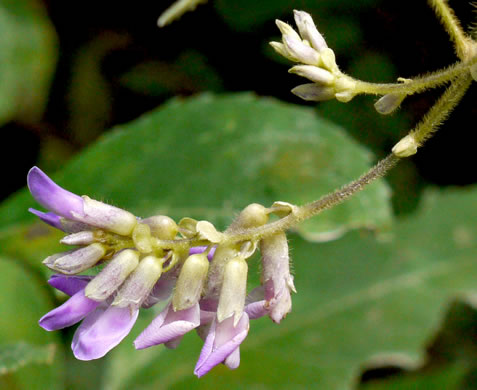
419,84
441,110
451,24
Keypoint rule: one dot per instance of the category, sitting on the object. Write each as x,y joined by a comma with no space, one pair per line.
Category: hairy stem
419,84
452,26
311,209
441,110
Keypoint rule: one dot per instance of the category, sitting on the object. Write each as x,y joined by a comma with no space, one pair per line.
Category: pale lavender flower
63,203
102,330
51,196
277,280
222,341
103,326
137,274
69,313
169,326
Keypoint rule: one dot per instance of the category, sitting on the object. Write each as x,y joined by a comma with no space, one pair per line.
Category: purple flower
221,344
169,326
103,326
63,203
277,280
69,313
144,265
102,330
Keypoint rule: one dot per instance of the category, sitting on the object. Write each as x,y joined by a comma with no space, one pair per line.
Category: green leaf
360,302
210,156
17,355
25,298
28,55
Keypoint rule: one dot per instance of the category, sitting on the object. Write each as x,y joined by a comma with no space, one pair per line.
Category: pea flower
146,261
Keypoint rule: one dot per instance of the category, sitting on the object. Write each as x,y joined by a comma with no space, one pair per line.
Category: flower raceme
200,273
316,61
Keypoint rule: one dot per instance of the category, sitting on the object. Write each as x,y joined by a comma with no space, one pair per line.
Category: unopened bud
223,254
76,261
287,30
137,287
276,276
190,282
233,291
281,49
141,236
328,59
388,103
80,238
113,275
105,216
313,92
313,73
301,51
406,147
308,30
253,215
162,227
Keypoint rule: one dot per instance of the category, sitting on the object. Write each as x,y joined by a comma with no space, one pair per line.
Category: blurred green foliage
28,52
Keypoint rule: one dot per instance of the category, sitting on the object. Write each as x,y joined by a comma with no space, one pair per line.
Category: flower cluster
201,274
316,60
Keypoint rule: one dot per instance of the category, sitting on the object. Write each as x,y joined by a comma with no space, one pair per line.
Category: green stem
452,26
441,110
418,84
311,209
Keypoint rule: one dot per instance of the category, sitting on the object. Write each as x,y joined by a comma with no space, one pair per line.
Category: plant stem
452,26
441,110
311,209
418,84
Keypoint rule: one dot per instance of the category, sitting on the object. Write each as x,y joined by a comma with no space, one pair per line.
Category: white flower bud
233,291
314,92
328,59
139,284
251,216
113,275
287,30
388,103
308,30
80,238
406,147
301,51
281,49
222,256
313,73
76,261
190,282
162,227
105,216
